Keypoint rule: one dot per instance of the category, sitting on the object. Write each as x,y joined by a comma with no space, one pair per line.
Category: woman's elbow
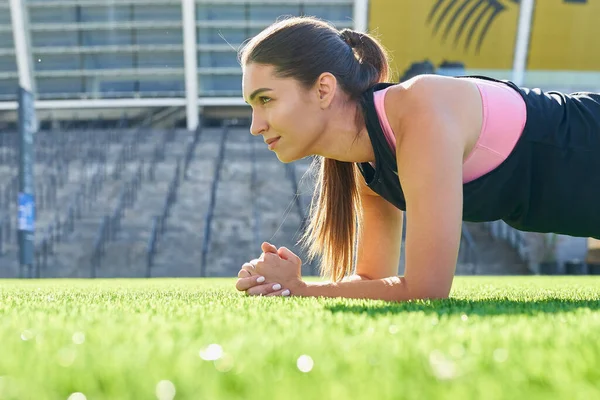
439,295
430,293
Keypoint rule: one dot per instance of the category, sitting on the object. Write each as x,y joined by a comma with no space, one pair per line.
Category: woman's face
283,110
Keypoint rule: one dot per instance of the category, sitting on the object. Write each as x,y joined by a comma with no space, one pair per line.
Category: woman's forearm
355,277
389,289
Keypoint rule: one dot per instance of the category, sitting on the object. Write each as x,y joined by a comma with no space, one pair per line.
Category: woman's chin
286,157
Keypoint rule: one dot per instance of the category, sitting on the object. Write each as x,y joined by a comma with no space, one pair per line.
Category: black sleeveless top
549,183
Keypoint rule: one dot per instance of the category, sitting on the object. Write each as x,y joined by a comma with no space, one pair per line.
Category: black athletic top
549,183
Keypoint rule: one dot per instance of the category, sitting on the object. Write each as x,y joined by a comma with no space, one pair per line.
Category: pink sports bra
504,117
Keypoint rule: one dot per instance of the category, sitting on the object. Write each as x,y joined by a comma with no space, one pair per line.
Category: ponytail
336,209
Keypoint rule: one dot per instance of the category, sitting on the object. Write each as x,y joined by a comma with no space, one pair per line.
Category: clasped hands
277,272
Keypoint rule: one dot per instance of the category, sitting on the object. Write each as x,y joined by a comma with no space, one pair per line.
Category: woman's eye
264,99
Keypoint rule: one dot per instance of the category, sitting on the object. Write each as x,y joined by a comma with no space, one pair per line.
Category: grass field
496,338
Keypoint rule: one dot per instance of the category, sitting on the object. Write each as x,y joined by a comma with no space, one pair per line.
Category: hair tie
346,38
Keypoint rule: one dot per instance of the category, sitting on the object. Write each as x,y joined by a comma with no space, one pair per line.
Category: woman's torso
548,182
503,116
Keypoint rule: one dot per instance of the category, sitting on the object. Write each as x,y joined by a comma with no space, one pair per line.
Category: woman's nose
258,126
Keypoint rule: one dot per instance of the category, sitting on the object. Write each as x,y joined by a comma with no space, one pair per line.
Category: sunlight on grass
495,338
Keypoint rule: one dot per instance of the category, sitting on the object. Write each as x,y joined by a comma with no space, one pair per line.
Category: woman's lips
272,142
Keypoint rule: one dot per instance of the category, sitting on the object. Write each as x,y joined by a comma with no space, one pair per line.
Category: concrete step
247,212
495,257
255,202
126,255
73,254
179,250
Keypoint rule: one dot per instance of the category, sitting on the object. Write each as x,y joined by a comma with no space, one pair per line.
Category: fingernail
286,292
260,279
276,286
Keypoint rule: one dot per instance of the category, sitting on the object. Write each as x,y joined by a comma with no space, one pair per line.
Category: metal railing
213,194
89,150
57,231
159,222
111,224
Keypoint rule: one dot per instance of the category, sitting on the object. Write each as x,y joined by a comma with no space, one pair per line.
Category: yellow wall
565,36
561,35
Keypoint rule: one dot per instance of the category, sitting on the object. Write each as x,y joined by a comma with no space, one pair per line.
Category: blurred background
124,140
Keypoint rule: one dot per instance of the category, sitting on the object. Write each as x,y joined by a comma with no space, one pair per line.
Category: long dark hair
303,48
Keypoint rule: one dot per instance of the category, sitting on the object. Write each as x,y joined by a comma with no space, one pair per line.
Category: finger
281,253
268,248
250,268
263,267
281,293
263,290
243,284
287,254
243,273
268,258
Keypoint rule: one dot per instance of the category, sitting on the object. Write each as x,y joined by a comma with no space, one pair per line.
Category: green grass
496,338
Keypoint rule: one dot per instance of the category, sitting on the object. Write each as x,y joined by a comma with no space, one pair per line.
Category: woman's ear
326,86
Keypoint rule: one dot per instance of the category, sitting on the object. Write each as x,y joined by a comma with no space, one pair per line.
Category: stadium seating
152,201
147,202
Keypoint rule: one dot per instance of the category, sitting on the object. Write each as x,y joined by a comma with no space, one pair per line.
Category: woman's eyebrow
257,92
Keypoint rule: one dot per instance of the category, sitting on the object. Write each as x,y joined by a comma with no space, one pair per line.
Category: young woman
442,149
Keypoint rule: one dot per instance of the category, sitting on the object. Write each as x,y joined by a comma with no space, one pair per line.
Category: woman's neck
345,140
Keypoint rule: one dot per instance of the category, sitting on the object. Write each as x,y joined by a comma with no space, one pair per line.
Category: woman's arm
355,277
429,154
378,254
388,289
430,149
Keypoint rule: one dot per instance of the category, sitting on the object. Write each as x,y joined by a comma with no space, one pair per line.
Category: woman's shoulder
432,92
430,87
425,99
